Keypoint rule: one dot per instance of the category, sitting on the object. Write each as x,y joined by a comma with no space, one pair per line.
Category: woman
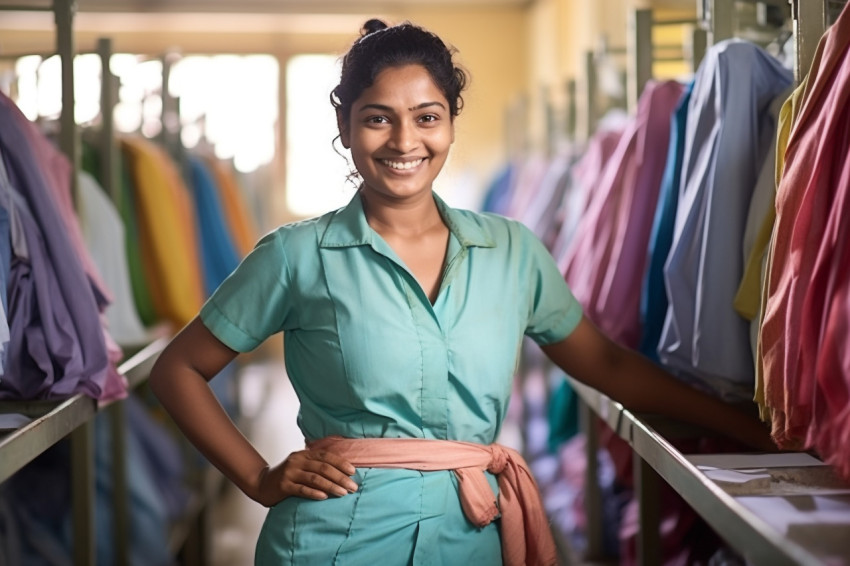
402,319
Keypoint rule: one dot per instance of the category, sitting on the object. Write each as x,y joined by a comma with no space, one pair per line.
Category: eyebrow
385,108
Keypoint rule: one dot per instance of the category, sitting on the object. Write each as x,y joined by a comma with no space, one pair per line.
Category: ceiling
261,6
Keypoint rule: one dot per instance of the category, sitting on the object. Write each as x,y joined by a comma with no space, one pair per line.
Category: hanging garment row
84,282
663,224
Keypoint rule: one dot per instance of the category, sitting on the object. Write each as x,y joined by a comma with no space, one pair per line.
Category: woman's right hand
312,474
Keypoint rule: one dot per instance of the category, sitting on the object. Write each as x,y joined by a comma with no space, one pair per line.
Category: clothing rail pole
589,123
83,494
592,492
82,439
639,58
810,22
117,411
551,131
69,136
721,19
108,99
648,494
570,124
24,8
695,45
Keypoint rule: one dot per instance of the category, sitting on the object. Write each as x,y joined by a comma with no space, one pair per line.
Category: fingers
320,477
315,475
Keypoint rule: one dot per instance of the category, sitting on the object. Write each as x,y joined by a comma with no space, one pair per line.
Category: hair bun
372,26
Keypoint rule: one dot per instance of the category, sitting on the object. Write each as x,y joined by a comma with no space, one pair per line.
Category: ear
344,133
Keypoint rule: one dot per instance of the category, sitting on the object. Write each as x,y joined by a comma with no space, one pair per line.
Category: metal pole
647,491
109,160
120,489
810,23
69,136
592,491
83,493
571,109
590,116
640,55
722,20
696,42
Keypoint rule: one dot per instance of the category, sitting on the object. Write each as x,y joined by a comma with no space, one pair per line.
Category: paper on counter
13,421
738,461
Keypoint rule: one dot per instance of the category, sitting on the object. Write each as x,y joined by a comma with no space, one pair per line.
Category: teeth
400,164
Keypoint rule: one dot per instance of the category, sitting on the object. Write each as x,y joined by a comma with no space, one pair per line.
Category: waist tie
526,538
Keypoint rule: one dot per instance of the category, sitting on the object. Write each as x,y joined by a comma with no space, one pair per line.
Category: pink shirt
606,263
804,331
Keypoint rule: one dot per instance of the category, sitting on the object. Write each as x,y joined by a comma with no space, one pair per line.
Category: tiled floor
236,520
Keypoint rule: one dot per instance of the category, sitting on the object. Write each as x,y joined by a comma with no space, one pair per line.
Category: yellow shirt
167,228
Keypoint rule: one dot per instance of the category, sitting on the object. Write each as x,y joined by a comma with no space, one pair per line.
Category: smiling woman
402,319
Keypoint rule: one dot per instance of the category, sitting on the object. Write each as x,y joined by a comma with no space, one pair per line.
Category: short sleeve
553,310
254,302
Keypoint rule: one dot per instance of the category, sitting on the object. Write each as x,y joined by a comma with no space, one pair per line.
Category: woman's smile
403,166
400,131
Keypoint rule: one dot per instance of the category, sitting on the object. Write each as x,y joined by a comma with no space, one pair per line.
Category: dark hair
381,46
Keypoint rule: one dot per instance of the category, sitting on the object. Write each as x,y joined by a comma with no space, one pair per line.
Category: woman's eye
428,118
377,120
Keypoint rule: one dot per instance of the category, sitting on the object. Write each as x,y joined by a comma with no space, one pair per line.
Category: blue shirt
729,132
653,304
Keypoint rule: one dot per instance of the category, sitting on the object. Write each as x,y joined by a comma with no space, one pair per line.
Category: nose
404,137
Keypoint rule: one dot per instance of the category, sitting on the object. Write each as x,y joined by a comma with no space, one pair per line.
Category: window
316,175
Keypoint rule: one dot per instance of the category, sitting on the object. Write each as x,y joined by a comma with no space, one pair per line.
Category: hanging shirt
6,219
370,357
618,302
218,252
498,194
539,214
58,346
608,257
728,135
754,245
168,231
584,176
243,227
103,232
55,171
126,207
787,114
653,294
804,333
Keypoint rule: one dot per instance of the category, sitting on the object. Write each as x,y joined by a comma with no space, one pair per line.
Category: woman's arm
180,379
641,386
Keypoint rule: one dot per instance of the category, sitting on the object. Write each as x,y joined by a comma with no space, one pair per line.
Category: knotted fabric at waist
526,538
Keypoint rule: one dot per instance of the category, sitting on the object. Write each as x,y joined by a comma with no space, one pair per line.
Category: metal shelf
53,421
749,533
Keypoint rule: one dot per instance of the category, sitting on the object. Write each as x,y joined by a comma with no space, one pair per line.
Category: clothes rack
54,420
73,416
656,460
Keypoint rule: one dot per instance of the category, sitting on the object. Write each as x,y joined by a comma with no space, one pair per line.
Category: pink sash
526,538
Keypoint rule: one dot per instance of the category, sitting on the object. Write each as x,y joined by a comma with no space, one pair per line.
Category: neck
403,218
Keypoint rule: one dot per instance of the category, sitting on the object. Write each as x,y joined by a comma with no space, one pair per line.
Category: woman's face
399,132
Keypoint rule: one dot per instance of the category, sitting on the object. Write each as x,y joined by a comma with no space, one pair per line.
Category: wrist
255,488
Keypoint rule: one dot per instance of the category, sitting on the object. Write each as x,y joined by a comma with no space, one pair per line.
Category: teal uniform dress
369,356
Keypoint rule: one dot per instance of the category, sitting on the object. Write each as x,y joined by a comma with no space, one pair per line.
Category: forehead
403,84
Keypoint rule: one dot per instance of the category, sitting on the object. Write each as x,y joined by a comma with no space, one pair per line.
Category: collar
348,226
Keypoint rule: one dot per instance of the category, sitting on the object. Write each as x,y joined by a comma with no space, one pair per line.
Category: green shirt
370,356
